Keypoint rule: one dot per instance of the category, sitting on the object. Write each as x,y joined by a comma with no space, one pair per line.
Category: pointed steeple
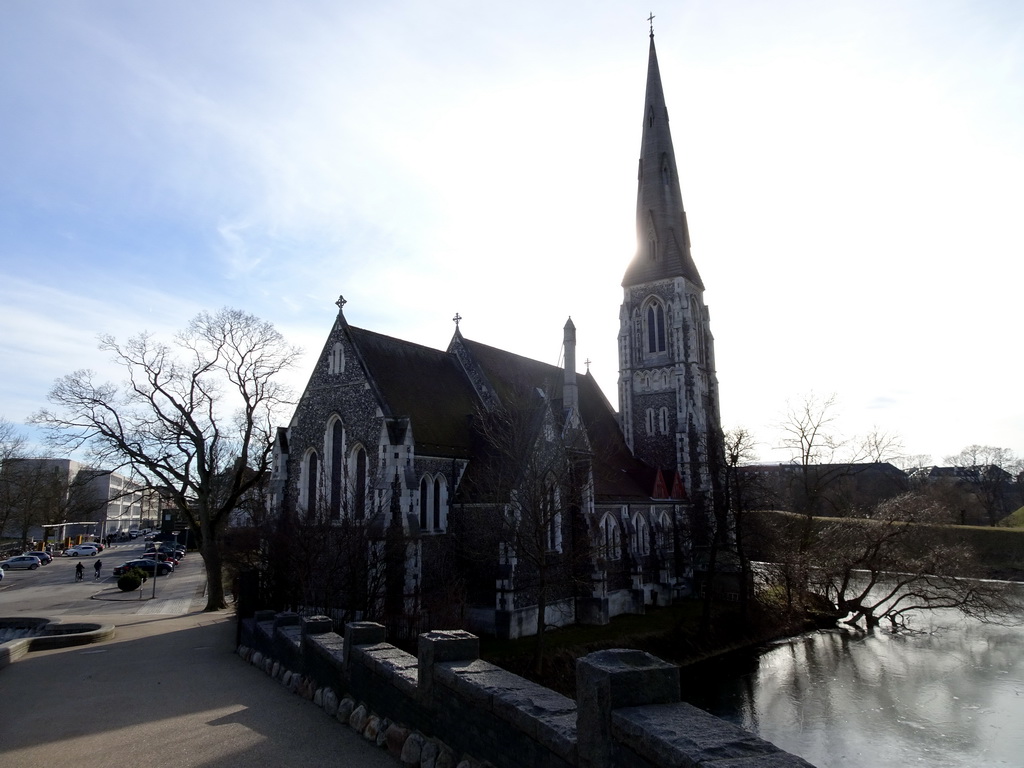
663,240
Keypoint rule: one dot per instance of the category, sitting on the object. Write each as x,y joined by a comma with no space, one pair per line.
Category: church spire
663,240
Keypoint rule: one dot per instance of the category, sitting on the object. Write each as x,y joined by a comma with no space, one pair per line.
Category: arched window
437,504
359,488
650,421
309,490
336,457
610,543
699,341
655,328
642,543
424,501
666,538
552,517
663,420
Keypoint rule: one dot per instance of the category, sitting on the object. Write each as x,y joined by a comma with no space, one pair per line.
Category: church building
502,494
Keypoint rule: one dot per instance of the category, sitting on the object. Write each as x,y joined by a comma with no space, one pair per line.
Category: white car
21,561
82,550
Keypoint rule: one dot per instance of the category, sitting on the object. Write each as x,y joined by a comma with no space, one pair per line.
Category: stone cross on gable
341,302
456,319
587,363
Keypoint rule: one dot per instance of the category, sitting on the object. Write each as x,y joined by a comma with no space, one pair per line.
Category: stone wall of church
445,704
339,386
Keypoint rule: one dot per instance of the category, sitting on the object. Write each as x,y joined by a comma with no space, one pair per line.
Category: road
167,692
51,591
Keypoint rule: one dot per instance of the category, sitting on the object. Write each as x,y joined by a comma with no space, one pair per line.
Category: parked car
82,550
20,561
146,566
178,552
163,557
45,558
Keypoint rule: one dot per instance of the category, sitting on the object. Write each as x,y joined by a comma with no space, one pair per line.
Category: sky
853,175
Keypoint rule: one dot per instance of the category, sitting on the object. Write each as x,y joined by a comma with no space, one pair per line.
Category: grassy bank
670,632
999,551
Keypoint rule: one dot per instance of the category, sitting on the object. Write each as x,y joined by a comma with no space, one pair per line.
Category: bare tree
45,493
740,449
194,419
990,472
900,561
530,484
12,447
825,460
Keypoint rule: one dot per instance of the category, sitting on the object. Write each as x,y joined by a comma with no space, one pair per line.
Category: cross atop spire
650,20
341,302
456,320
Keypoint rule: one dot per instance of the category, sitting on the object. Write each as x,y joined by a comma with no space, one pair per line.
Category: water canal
950,695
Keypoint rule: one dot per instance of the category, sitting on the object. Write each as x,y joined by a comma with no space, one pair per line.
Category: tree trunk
538,643
210,552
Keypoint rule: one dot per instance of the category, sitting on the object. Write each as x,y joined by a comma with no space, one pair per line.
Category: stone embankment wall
445,707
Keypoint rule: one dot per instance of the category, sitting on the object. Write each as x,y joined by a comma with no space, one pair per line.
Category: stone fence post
361,633
608,680
439,646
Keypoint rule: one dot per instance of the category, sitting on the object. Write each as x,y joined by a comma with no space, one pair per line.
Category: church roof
431,391
659,203
426,385
617,474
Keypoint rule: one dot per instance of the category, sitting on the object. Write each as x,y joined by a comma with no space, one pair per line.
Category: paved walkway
167,691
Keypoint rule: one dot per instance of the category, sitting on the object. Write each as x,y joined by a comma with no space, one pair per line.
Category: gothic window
665,538
437,504
309,485
336,459
652,247
610,543
553,517
642,544
359,488
424,504
663,420
700,353
650,422
655,328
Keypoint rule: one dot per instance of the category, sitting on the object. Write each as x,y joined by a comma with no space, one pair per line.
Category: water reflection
950,696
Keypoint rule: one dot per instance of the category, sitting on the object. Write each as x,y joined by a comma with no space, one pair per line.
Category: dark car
163,557
45,558
146,566
178,552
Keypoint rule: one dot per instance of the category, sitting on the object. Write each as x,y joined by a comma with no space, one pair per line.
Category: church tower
668,391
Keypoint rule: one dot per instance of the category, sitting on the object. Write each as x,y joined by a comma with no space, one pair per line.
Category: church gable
424,385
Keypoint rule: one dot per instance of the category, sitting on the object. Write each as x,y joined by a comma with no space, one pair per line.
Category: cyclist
79,571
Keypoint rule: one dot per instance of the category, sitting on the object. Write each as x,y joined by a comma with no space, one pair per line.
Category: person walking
97,567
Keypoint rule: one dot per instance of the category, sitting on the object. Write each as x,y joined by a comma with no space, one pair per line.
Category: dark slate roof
617,474
425,385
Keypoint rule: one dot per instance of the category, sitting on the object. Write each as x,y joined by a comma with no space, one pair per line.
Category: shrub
131,580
